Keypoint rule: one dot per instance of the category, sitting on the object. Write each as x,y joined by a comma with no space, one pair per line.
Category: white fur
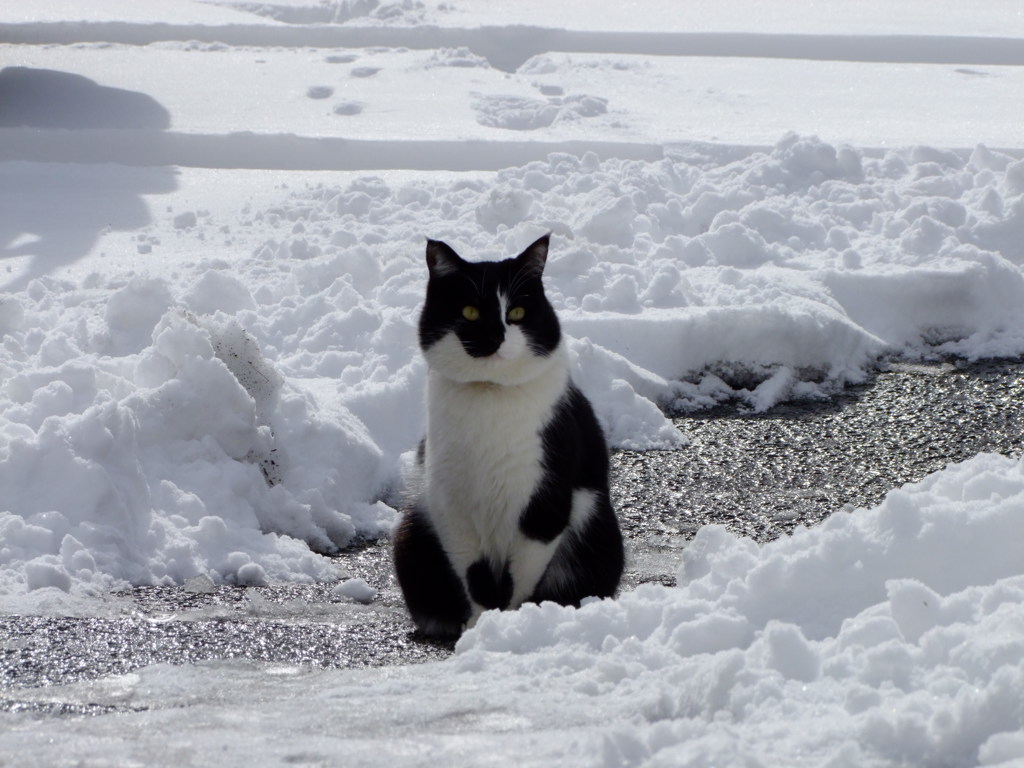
515,343
528,560
583,506
484,424
513,364
514,346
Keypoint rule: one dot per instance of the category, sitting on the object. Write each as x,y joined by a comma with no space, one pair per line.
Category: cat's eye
516,314
470,312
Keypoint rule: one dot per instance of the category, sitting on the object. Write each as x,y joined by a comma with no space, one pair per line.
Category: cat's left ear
442,258
536,256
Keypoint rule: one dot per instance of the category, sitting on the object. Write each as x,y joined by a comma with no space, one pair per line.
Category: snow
873,639
212,218
355,589
455,95
174,386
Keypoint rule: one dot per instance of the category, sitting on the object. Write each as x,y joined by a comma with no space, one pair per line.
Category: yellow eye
516,314
470,312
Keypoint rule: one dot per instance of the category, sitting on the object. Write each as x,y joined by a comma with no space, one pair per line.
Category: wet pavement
760,475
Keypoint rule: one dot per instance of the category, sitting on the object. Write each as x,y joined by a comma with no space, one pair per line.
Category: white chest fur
484,453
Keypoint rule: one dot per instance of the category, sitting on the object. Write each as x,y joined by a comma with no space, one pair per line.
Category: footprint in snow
365,71
457,57
582,105
348,108
521,113
517,113
341,58
319,92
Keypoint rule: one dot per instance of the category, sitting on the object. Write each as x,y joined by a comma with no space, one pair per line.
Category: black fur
575,456
433,592
491,588
594,557
455,283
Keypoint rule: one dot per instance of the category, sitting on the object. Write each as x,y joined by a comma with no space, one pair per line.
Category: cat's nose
488,344
496,336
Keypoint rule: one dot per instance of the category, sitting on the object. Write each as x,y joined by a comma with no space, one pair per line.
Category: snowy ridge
507,38
508,48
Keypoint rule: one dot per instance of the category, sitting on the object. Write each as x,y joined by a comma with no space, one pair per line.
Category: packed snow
212,220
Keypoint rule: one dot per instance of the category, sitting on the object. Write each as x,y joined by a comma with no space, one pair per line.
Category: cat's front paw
473,619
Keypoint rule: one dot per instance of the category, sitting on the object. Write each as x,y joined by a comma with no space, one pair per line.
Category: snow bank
191,457
885,636
798,266
215,417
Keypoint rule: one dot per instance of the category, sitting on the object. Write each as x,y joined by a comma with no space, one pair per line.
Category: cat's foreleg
485,585
433,590
530,559
489,586
542,526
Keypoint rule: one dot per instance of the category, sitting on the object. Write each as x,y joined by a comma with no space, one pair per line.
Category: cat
514,504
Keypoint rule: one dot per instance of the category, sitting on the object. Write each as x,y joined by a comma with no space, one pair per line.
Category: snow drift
219,418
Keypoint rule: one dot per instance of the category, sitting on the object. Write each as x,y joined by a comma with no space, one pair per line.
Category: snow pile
795,267
188,458
888,636
215,417
891,635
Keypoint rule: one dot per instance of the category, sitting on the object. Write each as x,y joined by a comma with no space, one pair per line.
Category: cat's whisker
523,274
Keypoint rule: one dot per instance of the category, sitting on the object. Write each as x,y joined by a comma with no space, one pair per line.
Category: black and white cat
514,503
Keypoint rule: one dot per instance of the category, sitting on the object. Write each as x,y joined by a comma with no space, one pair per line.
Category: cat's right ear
441,258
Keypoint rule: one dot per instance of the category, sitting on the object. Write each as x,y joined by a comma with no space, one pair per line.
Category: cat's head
488,321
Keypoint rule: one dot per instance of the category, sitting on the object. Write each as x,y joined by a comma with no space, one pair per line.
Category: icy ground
211,221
